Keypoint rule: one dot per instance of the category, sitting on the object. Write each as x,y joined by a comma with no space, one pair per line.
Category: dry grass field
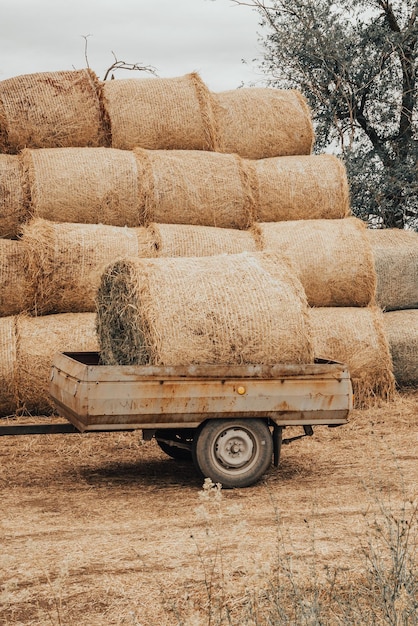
103,529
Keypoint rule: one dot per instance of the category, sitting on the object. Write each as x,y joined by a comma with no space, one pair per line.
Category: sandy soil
102,529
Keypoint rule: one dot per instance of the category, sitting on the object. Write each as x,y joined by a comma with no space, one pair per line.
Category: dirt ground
103,529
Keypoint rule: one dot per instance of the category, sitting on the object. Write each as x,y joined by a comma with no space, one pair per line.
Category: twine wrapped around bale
173,240
301,187
332,258
401,329
355,336
38,340
84,185
66,260
8,400
195,187
16,288
160,113
12,208
395,254
258,123
51,110
228,309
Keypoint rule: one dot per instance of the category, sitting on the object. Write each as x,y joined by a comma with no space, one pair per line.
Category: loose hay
8,400
332,258
195,187
257,123
355,336
67,260
401,329
160,113
12,209
395,254
229,309
301,187
16,288
51,110
173,240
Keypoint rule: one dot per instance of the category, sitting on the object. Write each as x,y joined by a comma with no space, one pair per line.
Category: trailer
228,420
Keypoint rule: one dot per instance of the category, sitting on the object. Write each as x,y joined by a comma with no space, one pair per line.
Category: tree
356,63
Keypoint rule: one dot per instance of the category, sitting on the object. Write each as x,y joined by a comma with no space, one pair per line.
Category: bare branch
124,65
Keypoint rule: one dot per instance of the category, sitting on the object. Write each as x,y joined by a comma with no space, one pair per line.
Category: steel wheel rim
234,448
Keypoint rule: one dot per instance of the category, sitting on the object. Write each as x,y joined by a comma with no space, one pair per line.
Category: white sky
174,36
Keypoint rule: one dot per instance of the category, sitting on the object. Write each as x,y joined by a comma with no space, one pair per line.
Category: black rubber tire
179,454
235,453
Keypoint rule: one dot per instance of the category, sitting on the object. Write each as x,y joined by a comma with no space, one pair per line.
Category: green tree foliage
356,63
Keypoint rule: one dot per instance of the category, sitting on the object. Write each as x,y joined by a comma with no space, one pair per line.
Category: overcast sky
175,36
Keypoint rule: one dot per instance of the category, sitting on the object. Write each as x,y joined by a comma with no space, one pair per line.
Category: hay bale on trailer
66,260
228,309
16,288
401,329
84,185
395,254
51,110
355,336
8,400
12,208
258,123
301,187
332,258
195,187
160,113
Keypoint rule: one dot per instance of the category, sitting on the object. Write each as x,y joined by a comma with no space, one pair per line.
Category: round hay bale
12,207
38,340
84,185
332,258
395,254
67,260
228,309
355,336
401,329
8,400
160,113
51,110
301,187
195,187
16,288
173,240
258,123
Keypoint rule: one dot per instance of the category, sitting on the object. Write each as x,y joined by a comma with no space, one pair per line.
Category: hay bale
301,187
258,123
51,110
38,340
16,288
173,240
401,329
160,113
228,309
395,254
8,400
195,187
67,260
84,185
356,336
332,258
12,208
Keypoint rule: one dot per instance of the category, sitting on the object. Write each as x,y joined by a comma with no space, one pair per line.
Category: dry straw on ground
66,260
395,254
51,110
301,187
196,187
8,401
257,123
16,288
401,328
228,309
355,336
332,258
173,240
12,210
84,185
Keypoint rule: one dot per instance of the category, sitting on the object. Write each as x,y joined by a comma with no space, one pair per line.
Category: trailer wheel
235,453
167,440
